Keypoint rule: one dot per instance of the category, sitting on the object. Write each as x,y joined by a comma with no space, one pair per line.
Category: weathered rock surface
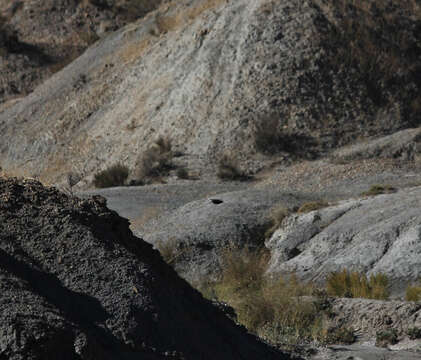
405,145
37,38
367,317
363,352
144,204
207,73
76,284
375,234
200,232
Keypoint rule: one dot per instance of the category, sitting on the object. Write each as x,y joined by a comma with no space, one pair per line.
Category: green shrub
311,206
341,336
115,175
386,337
182,173
356,285
379,189
156,161
414,333
228,169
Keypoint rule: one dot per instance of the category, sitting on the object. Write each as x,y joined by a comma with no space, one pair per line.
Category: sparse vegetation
182,173
386,337
156,161
228,169
370,37
277,215
414,333
281,310
311,206
115,175
413,293
356,285
267,135
341,336
379,189
271,138
131,9
269,308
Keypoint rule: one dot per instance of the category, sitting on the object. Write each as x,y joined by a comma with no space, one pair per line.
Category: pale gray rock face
372,235
203,73
201,231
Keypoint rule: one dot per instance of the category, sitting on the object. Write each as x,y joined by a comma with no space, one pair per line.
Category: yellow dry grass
173,22
134,50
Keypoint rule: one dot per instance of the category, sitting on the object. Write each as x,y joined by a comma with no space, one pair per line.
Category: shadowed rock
76,284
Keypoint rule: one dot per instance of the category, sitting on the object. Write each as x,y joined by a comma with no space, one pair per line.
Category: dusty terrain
314,101
38,38
249,78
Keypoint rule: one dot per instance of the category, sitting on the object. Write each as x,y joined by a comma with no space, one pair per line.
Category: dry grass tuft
279,310
311,206
356,285
379,189
183,17
413,293
277,216
156,161
115,175
229,169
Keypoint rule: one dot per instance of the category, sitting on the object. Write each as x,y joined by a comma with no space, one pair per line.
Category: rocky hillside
38,38
76,284
251,77
372,235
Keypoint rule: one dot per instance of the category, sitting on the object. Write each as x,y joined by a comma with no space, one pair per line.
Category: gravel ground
342,181
320,178
141,204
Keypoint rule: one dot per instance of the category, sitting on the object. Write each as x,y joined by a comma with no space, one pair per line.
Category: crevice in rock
216,201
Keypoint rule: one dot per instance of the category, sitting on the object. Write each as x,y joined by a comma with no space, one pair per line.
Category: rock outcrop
76,284
371,235
215,76
197,235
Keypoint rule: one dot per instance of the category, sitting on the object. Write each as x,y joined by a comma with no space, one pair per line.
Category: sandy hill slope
249,77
